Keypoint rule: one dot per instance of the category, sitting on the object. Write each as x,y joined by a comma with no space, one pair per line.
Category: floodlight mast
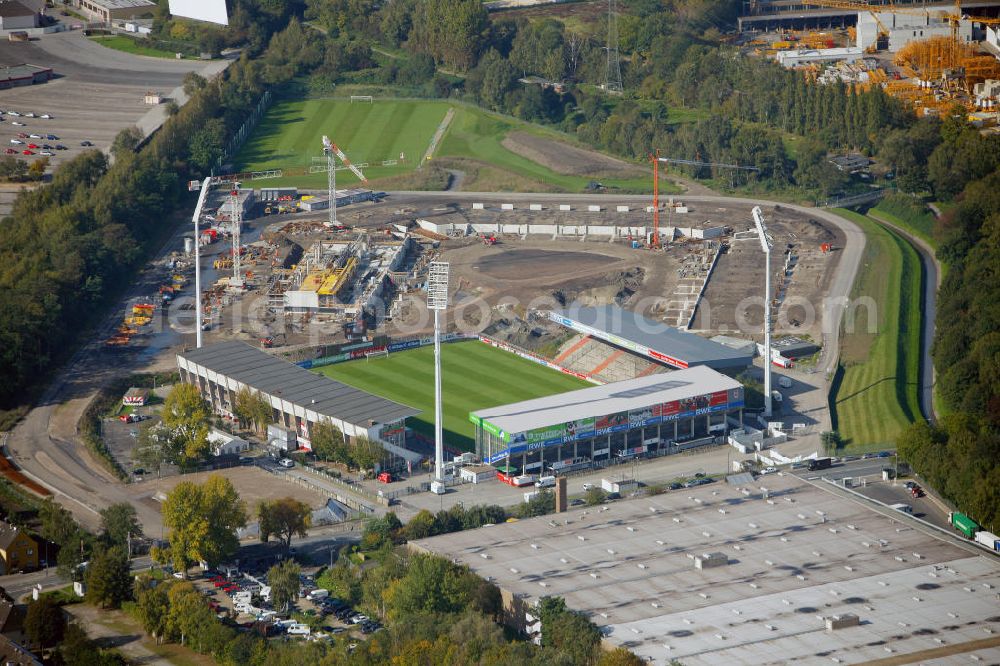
765,244
196,218
437,300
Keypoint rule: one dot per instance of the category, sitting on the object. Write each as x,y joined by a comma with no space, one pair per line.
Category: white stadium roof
608,399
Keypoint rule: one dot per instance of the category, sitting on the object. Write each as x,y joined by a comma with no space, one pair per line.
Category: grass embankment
290,136
473,376
133,46
875,391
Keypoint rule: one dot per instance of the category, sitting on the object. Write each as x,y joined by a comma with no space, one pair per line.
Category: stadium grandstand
298,398
662,413
631,332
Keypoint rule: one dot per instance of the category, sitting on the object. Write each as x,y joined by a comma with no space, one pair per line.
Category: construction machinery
330,150
656,159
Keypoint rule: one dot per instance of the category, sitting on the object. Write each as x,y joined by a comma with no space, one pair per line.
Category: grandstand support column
675,431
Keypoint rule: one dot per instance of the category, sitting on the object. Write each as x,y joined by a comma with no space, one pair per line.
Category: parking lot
246,597
95,92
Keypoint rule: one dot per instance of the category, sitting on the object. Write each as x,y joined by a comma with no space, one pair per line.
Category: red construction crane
656,159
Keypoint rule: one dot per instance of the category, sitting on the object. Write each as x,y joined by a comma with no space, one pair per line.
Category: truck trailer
988,539
964,524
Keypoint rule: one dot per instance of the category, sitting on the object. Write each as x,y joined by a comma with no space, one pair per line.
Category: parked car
86,143
18,124
17,142
286,462
33,146
676,486
9,151
35,136
29,114
13,113
28,152
46,116
59,146
769,470
51,137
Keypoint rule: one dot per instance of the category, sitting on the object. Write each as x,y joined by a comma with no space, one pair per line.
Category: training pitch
291,135
474,376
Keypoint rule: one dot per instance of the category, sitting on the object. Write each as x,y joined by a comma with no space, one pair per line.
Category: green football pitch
473,376
291,135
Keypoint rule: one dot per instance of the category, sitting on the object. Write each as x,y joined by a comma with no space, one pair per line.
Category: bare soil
539,264
568,160
251,483
733,297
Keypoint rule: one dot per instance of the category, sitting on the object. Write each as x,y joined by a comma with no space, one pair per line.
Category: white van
545,482
299,629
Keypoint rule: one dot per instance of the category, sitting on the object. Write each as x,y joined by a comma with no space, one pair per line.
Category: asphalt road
44,443
928,309
71,54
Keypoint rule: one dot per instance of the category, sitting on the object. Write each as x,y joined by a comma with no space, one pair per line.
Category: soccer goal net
362,98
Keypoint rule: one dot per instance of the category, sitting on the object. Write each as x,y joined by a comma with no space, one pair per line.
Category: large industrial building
299,399
774,571
655,340
672,411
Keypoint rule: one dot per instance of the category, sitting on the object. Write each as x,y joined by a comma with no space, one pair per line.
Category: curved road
45,444
932,283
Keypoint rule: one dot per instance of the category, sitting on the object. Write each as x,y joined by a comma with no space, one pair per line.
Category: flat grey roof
21,71
802,554
608,399
288,381
620,327
13,8
123,4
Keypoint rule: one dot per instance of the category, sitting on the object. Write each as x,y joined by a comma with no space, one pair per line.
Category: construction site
934,58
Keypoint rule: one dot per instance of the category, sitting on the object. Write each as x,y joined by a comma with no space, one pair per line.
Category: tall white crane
330,149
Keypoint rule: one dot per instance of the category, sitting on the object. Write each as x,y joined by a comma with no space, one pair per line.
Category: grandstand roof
278,378
608,399
651,338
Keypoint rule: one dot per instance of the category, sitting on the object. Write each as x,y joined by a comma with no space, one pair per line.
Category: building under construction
342,278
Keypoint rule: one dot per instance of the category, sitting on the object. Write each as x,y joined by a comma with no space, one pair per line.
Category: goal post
362,98
369,355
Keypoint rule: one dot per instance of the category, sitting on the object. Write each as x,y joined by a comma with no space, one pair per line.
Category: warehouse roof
21,71
608,399
651,338
281,379
797,555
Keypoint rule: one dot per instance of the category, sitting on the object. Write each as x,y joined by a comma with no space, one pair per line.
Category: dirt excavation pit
539,264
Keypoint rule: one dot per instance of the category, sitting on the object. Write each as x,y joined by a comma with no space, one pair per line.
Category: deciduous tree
119,523
186,414
108,580
284,581
44,623
284,518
